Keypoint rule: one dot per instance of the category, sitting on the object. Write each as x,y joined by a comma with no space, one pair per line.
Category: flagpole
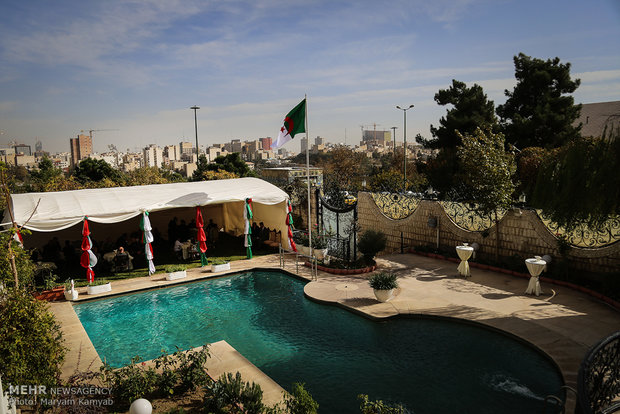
308,178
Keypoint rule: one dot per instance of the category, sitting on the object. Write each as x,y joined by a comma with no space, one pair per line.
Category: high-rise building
319,141
81,147
172,152
38,146
153,156
265,143
304,144
22,149
186,150
235,145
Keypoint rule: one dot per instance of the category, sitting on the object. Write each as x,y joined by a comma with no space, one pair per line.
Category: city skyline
137,67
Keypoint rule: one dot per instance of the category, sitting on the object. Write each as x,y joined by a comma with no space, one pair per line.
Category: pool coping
563,340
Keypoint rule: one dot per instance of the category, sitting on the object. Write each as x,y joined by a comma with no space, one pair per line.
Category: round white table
535,266
464,253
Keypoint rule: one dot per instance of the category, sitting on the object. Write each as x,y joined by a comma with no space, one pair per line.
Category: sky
133,69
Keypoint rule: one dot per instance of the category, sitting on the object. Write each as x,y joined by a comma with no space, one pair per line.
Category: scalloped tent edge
63,209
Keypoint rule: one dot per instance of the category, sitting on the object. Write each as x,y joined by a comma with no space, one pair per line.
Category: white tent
61,210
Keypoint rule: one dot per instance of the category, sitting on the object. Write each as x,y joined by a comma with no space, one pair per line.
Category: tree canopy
92,170
224,166
487,170
539,112
471,110
580,182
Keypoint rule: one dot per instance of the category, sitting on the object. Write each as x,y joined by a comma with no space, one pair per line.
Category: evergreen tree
471,110
539,112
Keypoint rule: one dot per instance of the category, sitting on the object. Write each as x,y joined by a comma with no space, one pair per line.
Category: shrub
299,401
378,407
370,243
25,267
31,344
230,390
131,382
383,281
175,268
192,370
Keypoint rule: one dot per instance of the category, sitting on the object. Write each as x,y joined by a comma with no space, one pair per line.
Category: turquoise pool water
429,365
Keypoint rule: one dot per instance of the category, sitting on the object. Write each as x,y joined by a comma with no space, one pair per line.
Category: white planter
383,295
220,267
71,294
176,275
96,289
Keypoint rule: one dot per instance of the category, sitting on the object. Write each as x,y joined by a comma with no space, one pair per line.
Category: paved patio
562,322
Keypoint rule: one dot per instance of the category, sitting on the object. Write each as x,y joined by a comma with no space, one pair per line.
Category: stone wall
521,233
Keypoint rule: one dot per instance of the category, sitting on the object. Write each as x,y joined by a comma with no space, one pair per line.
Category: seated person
178,249
120,253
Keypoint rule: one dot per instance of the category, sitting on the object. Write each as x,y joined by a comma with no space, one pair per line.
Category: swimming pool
429,365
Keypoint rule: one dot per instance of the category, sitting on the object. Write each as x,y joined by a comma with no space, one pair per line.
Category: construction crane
372,126
90,131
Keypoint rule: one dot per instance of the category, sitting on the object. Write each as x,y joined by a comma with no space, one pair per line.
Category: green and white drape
247,216
147,239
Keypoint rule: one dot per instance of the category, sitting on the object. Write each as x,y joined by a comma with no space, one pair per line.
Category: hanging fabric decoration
289,224
18,238
147,239
247,216
88,259
202,238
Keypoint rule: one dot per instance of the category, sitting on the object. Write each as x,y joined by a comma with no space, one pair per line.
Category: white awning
63,209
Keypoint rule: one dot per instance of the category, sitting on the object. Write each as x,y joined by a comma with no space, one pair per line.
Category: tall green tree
539,111
471,109
91,170
230,163
487,171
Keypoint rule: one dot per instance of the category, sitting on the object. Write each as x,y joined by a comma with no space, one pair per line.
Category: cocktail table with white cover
535,266
464,253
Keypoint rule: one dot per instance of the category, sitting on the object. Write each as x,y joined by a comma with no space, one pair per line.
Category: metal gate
337,221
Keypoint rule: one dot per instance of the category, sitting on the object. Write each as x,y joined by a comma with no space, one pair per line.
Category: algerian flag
294,122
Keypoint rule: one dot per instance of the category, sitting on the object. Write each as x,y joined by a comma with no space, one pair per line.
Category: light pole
394,138
404,145
195,108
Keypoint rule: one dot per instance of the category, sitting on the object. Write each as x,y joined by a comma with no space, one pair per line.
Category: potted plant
383,284
98,286
303,243
370,243
220,265
319,245
174,272
51,290
70,292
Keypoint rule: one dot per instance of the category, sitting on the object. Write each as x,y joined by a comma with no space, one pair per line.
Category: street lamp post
394,138
404,144
195,108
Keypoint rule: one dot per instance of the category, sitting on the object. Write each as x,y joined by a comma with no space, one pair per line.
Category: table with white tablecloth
535,266
464,253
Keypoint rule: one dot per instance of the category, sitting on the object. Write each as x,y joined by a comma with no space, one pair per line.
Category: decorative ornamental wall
400,206
395,206
466,217
584,236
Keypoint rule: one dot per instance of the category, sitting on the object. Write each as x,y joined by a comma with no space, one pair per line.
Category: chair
275,239
121,262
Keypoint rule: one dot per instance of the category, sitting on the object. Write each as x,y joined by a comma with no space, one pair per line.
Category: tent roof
63,209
